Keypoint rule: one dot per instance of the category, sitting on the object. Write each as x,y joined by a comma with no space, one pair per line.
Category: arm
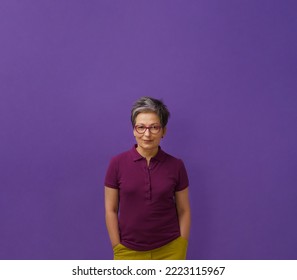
111,215
183,212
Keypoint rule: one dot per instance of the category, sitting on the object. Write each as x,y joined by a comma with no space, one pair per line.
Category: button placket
147,181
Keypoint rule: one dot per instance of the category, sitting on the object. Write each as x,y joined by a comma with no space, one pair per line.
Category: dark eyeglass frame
136,127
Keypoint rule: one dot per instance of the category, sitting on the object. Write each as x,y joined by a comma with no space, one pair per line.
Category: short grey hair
149,104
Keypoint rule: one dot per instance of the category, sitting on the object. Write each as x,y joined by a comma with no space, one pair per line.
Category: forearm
113,227
184,218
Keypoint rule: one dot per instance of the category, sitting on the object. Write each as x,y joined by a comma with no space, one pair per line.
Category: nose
147,132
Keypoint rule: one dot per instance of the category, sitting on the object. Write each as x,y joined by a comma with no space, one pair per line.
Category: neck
148,154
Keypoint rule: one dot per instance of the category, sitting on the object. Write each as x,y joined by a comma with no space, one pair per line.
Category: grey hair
149,104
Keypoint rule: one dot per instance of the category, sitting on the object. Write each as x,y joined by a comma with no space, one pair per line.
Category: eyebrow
149,125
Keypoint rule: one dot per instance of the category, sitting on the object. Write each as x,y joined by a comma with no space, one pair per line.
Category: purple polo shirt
147,210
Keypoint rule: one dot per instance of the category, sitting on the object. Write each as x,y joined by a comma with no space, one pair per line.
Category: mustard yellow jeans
174,250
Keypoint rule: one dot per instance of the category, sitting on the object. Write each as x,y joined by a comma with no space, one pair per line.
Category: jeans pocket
184,240
117,247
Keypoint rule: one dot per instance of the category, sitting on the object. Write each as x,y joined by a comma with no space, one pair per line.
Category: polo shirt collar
137,156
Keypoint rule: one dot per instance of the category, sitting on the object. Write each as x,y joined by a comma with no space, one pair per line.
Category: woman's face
147,141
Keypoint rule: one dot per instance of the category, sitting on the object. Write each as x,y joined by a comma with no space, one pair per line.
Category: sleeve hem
181,189
111,186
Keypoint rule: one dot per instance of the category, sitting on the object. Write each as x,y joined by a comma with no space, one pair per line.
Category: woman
146,192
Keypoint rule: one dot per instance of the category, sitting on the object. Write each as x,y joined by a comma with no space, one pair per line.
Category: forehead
147,118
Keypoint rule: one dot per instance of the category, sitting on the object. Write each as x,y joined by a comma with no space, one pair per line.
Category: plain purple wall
70,71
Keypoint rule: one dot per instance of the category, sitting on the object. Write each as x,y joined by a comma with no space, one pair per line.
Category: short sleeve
111,177
183,180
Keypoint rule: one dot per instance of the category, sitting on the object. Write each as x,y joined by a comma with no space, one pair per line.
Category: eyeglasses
141,129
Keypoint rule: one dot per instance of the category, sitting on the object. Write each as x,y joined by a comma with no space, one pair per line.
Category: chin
148,146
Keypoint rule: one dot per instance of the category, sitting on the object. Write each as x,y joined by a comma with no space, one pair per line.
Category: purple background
70,71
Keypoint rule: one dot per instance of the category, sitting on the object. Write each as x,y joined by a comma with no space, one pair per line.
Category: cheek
158,139
137,136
